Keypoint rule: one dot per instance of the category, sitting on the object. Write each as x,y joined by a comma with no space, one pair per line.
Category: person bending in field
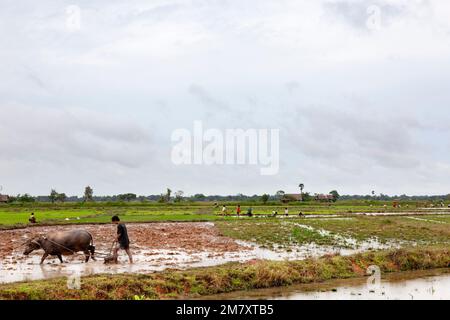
32,219
123,242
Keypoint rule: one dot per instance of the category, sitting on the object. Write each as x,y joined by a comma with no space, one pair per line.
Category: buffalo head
31,245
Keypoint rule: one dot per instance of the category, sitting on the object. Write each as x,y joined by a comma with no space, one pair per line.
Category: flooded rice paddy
155,247
161,246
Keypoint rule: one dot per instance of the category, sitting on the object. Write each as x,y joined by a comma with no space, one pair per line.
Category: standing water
416,285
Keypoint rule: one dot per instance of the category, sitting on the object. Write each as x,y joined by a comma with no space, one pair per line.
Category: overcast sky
359,90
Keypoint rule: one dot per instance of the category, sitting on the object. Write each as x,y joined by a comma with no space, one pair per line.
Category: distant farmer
250,212
286,212
32,219
123,242
238,210
224,209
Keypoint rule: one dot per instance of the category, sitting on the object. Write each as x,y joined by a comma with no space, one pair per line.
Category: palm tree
301,186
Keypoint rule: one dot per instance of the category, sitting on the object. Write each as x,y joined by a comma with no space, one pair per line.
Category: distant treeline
157,198
130,197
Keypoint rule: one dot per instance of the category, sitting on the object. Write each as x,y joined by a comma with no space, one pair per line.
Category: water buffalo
63,243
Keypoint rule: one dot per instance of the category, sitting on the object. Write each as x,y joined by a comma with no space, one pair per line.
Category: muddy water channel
414,285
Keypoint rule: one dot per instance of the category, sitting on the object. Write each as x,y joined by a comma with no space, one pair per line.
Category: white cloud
358,109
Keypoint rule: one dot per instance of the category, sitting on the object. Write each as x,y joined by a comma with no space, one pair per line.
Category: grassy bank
231,277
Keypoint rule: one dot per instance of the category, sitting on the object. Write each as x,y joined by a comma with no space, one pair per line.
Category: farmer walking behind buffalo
123,242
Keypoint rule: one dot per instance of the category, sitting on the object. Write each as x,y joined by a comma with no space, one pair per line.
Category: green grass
387,228
46,213
271,233
9,218
232,277
285,233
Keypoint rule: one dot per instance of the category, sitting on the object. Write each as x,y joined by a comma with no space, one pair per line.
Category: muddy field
155,247
183,245
168,236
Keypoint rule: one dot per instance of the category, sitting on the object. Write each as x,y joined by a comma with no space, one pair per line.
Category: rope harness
75,253
45,238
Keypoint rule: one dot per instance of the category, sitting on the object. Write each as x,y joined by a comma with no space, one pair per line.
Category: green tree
335,195
280,194
53,196
179,196
62,197
199,197
306,197
88,194
264,198
127,197
25,198
162,198
168,193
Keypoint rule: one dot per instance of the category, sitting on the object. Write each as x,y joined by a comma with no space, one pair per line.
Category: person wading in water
123,242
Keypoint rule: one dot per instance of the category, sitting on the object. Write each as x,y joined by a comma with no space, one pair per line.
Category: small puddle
414,285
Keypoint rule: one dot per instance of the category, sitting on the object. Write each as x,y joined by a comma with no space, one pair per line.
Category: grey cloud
326,133
59,136
207,99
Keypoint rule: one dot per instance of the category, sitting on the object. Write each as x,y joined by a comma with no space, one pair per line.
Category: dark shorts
123,246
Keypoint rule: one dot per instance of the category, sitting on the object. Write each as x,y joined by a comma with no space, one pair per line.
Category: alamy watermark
73,18
258,147
373,21
74,281
374,280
